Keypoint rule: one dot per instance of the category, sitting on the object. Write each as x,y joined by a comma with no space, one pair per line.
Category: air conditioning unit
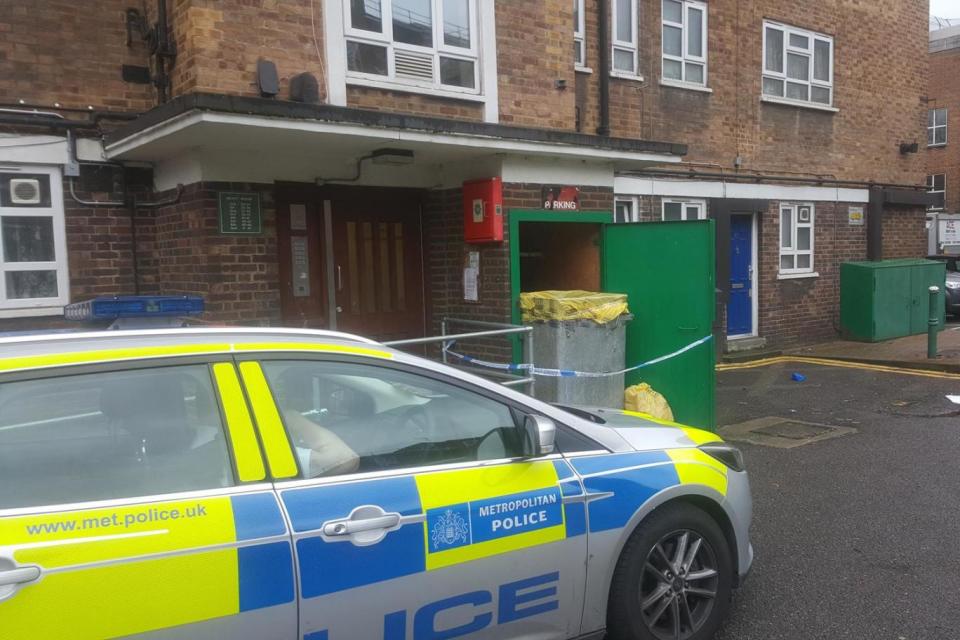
25,191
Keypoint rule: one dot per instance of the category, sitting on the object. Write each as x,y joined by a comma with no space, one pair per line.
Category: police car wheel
673,580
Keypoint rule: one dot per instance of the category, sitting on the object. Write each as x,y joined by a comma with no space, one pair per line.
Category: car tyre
673,580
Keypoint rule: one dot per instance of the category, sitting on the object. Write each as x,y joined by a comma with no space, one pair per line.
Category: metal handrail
491,329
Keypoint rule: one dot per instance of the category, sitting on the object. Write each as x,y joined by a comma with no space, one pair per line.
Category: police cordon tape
566,373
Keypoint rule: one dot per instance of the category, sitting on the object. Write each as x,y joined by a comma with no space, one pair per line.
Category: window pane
939,181
821,95
366,15
786,228
803,261
799,41
786,262
576,16
625,20
797,91
940,135
27,239
695,73
351,418
692,212
695,32
110,435
940,116
931,114
623,211
455,72
821,60
456,23
940,201
22,285
366,58
413,22
673,41
798,67
773,55
673,69
623,60
773,87
930,136
673,211
672,11
803,238
578,52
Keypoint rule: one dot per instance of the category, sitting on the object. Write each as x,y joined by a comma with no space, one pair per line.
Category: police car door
123,512
418,518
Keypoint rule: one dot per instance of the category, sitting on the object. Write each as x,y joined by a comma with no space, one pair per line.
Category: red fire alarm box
483,210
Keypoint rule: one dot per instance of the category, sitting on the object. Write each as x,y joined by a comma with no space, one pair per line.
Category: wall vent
414,66
25,191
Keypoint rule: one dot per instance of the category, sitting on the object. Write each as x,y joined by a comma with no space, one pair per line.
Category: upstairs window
579,35
937,185
936,127
431,43
685,42
625,38
626,209
797,65
796,239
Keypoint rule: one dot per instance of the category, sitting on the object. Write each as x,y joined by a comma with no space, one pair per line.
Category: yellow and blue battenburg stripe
130,569
448,518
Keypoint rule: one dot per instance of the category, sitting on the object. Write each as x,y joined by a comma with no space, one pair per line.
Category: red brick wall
944,91
71,53
904,233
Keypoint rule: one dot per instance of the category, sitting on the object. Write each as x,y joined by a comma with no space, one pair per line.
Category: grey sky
945,8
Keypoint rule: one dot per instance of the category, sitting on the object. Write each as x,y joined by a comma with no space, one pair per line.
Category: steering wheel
415,429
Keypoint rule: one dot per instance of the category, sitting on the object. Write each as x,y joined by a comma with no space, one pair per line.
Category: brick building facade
943,118
762,115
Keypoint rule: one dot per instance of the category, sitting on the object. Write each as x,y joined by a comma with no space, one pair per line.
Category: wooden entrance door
378,265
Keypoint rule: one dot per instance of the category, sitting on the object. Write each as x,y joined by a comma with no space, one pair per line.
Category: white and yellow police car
271,484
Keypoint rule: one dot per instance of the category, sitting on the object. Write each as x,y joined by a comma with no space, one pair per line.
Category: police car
222,483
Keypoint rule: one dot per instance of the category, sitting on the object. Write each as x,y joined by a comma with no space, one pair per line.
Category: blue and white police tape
567,373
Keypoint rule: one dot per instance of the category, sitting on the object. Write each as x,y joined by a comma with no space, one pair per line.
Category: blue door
740,306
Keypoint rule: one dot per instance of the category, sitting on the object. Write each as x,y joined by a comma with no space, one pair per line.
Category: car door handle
350,527
19,576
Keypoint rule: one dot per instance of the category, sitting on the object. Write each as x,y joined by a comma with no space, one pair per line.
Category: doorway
351,260
742,304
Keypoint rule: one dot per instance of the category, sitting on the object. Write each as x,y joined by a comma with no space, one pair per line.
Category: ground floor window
796,238
33,258
937,185
675,209
626,209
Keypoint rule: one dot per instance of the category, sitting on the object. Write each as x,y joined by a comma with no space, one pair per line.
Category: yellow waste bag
572,305
643,399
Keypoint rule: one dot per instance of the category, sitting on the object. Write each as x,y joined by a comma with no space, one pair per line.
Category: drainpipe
603,61
163,48
875,225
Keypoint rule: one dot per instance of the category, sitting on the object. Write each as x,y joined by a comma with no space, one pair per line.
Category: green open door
667,271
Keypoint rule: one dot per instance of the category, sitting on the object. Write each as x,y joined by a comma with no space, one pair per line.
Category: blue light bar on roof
114,307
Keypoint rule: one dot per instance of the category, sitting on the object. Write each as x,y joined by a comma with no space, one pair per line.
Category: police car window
110,435
351,418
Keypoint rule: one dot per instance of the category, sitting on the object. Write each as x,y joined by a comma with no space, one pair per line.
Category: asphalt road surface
858,536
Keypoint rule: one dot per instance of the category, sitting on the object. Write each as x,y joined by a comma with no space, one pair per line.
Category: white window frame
385,39
580,36
931,181
792,250
631,201
24,307
781,76
932,129
686,57
684,203
632,46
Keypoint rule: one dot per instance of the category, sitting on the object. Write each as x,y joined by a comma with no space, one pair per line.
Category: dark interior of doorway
559,256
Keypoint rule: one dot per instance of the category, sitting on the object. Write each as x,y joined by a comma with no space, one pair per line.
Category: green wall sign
239,213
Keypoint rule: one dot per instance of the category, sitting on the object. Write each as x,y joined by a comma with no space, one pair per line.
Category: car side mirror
540,434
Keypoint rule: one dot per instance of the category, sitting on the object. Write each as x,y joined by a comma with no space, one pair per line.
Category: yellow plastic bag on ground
642,398
572,305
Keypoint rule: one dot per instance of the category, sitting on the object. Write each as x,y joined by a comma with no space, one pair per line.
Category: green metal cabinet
888,299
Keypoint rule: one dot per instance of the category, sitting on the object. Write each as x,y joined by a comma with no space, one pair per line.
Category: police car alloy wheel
673,580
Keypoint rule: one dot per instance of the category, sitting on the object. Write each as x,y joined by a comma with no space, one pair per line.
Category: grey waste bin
581,345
